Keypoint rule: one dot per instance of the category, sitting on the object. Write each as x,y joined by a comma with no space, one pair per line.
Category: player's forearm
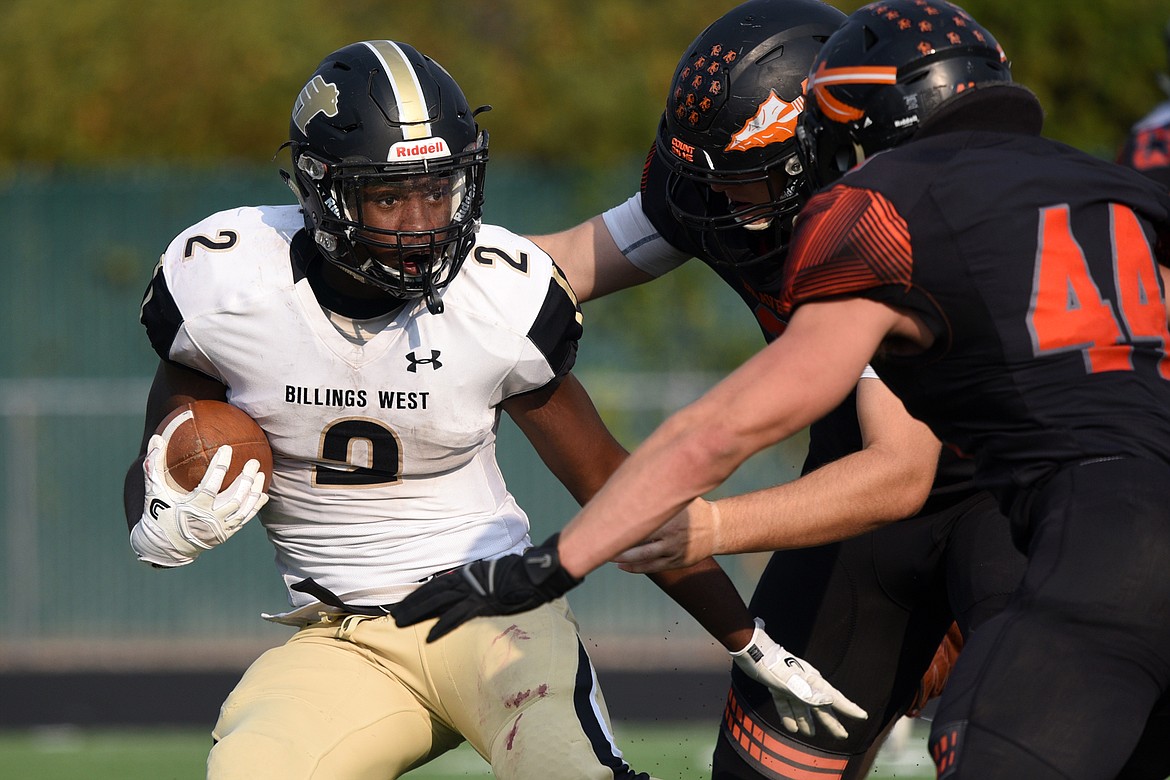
796,379
133,493
709,596
676,464
845,498
590,260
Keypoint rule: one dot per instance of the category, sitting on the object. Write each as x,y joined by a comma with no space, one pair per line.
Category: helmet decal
317,97
936,16
698,83
426,149
773,122
825,77
412,105
727,136
682,150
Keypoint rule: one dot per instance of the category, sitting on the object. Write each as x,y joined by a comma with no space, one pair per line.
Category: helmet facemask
404,231
743,217
388,164
828,150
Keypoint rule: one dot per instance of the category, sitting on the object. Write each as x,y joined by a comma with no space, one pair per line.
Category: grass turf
669,752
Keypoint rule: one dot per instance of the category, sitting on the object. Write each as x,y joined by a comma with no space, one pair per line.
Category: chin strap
434,302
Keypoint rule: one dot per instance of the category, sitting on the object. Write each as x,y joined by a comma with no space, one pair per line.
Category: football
208,426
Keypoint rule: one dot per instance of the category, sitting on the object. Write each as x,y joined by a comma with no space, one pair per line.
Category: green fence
74,370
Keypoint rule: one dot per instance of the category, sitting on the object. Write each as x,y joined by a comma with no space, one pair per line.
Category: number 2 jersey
385,467
1035,267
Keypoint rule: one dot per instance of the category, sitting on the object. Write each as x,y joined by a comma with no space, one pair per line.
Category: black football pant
869,613
1070,680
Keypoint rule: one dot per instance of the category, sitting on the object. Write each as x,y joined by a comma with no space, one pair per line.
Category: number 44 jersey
1036,269
384,447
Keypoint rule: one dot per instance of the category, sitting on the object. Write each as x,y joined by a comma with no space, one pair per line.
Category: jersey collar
996,108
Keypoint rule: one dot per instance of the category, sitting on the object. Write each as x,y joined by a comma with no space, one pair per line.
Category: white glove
176,526
797,687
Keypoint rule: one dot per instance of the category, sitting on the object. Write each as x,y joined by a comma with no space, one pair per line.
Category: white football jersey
384,452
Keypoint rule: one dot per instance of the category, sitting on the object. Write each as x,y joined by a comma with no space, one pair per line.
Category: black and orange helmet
731,118
887,69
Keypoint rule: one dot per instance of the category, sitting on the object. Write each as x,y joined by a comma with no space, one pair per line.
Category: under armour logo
156,506
415,362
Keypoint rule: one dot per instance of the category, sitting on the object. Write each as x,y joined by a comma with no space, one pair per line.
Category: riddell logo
681,150
774,121
418,150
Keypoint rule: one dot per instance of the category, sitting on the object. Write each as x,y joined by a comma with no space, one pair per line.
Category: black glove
503,586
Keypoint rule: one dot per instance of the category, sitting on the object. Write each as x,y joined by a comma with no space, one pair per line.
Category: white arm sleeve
639,241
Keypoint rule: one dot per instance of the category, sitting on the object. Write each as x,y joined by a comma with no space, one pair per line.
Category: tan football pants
357,698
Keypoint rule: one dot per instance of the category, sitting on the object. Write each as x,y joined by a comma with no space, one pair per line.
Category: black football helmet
883,73
730,120
378,116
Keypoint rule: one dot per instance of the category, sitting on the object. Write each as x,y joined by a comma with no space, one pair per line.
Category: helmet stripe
838,110
412,104
872,74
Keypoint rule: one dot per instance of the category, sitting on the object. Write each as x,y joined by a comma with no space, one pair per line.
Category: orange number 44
1067,311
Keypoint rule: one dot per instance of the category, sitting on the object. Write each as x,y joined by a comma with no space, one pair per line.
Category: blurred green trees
106,82
576,89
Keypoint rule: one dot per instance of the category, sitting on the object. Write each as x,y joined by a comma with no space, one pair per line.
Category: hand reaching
798,690
501,586
684,540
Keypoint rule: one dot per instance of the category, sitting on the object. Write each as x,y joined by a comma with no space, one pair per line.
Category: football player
722,184
1147,147
375,332
1006,288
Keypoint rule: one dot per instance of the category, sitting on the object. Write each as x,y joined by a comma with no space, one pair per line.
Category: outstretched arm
778,392
887,480
565,429
791,383
567,432
590,260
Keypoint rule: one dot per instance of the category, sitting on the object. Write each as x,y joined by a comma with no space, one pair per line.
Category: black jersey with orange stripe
760,285
1041,291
